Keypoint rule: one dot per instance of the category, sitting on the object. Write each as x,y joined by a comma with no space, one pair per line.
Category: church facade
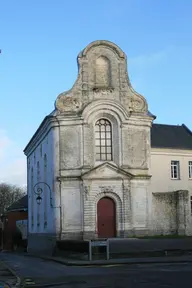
89,169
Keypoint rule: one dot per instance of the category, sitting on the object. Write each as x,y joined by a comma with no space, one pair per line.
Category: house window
175,173
103,140
190,169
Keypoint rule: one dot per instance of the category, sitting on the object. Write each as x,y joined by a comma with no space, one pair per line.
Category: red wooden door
106,220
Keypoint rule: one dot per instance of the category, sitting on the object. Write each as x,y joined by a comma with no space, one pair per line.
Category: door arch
106,218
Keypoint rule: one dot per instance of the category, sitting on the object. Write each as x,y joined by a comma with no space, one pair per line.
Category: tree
9,194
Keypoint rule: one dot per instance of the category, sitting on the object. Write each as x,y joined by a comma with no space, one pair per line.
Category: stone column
89,215
139,191
88,157
127,209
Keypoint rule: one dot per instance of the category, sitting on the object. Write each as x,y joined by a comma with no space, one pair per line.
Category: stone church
89,161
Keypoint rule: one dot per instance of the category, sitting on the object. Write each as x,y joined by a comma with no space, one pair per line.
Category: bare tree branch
9,194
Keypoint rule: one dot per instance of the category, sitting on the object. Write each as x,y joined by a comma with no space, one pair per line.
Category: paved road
6,276
133,276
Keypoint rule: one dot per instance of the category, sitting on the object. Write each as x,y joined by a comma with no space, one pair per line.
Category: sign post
98,243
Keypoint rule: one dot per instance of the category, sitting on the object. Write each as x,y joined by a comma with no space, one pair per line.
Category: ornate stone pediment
107,171
102,74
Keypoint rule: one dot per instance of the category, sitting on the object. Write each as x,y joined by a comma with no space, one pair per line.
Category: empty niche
102,72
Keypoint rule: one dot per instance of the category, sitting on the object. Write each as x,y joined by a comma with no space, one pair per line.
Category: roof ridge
18,203
171,136
187,129
172,125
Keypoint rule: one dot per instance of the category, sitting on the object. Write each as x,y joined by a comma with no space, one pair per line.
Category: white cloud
12,161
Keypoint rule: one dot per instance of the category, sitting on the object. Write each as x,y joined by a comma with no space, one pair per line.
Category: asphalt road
40,272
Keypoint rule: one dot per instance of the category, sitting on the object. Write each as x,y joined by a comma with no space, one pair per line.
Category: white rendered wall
161,170
42,217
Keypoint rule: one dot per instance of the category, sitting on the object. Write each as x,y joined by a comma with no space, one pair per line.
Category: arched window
103,140
34,158
41,150
45,162
38,172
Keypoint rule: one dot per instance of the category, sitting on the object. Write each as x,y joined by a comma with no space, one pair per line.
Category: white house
171,169
90,161
171,158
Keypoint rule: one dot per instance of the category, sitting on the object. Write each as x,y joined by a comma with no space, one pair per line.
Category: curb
116,262
18,283
55,284
113,262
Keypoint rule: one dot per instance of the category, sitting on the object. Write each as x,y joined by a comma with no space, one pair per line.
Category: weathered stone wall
171,213
135,142
88,143
72,210
70,141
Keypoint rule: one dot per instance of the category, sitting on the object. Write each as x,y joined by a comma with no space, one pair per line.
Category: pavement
124,261
139,245
37,272
8,277
133,251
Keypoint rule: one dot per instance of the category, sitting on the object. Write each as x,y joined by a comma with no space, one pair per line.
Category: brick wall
10,227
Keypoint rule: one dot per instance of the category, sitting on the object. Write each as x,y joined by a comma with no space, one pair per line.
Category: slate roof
171,136
21,204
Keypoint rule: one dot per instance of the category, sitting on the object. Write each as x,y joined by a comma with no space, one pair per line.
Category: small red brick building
17,211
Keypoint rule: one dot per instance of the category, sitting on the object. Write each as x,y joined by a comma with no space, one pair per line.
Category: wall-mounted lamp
39,200
38,191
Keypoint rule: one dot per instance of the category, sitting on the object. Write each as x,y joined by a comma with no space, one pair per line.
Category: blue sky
40,41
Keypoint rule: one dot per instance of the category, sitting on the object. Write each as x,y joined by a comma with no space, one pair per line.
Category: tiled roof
21,204
171,136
